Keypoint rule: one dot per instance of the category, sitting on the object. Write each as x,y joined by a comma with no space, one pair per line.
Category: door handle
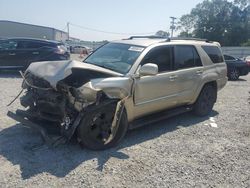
12,53
199,72
173,77
35,53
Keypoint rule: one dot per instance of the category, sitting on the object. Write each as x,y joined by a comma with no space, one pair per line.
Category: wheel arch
213,83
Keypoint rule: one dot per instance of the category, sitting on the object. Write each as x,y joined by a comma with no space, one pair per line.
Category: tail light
248,62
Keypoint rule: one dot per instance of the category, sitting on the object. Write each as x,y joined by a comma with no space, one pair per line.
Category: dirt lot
184,151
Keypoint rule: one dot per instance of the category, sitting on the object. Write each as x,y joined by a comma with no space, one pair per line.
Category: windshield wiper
106,67
87,62
103,66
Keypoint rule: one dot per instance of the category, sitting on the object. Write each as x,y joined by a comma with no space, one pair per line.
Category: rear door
29,51
23,53
47,51
188,71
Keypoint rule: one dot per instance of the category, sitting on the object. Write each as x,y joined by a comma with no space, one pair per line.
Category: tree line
227,22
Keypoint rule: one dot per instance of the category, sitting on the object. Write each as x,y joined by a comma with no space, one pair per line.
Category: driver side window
161,56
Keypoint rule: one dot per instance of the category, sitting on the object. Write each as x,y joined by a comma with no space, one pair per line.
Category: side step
153,118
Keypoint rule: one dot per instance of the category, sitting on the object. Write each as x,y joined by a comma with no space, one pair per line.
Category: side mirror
148,69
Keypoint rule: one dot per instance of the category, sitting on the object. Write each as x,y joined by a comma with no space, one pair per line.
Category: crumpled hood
54,71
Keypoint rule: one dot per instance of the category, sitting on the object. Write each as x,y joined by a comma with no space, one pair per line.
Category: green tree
162,34
242,3
186,25
218,20
246,43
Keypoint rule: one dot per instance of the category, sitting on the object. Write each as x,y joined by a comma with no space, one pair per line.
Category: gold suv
122,85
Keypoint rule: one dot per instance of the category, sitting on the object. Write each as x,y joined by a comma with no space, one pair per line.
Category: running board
153,118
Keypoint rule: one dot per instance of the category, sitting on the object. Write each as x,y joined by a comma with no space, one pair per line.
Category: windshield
115,56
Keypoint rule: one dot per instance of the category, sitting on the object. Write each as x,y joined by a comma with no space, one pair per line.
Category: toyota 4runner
122,85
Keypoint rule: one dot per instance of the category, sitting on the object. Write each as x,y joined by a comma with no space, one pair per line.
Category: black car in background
235,67
19,53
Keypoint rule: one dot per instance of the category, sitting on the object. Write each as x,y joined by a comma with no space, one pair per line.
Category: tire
205,102
94,128
233,74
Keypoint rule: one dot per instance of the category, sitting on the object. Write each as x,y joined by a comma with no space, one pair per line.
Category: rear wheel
95,132
233,74
205,102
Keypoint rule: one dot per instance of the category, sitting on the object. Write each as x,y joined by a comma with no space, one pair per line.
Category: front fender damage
101,92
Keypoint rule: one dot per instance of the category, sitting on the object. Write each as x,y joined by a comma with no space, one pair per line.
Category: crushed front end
45,106
65,94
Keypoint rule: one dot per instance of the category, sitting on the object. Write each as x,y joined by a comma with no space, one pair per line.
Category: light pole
172,27
68,29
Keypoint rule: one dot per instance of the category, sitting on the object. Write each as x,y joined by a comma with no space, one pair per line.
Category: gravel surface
183,151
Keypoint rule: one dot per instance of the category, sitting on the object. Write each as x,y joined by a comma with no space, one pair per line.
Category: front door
157,92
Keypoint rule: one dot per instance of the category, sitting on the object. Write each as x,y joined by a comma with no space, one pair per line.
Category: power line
109,32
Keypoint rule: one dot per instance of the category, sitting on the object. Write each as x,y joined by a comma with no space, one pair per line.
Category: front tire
205,102
94,131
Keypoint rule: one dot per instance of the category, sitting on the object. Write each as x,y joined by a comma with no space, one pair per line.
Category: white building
9,29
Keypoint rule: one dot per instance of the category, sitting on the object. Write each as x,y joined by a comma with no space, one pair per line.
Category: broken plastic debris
214,125
212,119
212,122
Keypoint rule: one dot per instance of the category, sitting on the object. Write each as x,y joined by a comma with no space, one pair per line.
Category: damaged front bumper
22,117
25,118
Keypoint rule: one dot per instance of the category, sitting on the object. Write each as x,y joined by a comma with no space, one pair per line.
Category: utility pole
172,27
68,29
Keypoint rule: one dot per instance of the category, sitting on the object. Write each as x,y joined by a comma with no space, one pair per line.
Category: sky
126,17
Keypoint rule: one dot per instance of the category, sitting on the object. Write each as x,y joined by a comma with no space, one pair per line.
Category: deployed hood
55,71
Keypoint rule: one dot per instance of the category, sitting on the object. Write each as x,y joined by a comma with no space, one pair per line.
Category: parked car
122,85
80,50
235,67
19,53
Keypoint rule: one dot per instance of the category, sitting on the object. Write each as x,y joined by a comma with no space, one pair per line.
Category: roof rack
148,37
168,39
188,38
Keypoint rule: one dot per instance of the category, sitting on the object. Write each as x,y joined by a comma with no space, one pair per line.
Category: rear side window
161,56
186,57
214,53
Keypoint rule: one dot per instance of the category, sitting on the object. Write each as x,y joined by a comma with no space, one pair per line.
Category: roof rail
188,38
147,37
168,39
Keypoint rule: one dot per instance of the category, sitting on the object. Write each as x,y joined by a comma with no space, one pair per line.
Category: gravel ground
183,151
